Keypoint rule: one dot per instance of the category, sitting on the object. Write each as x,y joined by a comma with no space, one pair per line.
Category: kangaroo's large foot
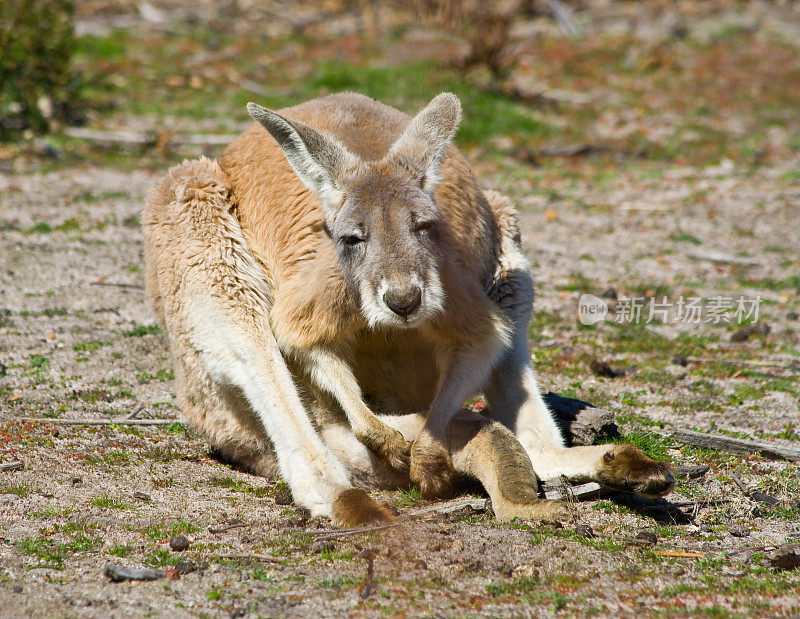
354,507
538,510
628,469
388,444
431,468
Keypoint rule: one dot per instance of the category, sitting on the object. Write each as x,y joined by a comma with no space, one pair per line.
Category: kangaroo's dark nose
403,300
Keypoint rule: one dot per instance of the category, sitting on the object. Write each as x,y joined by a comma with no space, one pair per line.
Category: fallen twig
734,445
228,527
118,285
96,422
14,465
252,555
681,554
324,534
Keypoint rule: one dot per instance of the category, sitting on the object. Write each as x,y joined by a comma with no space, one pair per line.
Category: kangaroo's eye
424,226
351,239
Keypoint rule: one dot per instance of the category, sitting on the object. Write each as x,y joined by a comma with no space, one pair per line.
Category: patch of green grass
142,330
577,282
38,363
339,582
146,377
411,497
226,481
160,557
685,237
213,594
92,346
52,554
120,550
106,501
40,227
20,489
160,531
70,225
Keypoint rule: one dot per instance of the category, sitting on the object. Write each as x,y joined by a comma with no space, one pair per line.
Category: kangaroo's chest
397,375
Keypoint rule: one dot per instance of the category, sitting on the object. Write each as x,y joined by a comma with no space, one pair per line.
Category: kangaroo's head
381,215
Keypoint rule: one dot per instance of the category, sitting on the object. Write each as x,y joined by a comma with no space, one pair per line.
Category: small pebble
172,573
326,546
647,537
678,359
738,531
141,496
792,315
76,481
178,543
610,293
584,530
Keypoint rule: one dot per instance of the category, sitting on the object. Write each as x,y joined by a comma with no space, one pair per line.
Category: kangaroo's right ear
423,144
317,159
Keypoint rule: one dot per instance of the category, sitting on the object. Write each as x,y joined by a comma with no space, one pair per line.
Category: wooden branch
96,422
14,465
565,492
251,555
681,554
734,445
451,507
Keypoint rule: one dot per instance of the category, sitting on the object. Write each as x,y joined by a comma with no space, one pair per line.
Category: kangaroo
334,288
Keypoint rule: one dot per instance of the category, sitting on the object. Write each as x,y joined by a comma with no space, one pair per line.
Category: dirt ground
673,177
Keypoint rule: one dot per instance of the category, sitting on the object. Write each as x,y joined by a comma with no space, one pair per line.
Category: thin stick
334,533
236,525
118,285
257,557
95,422
14,465
681,554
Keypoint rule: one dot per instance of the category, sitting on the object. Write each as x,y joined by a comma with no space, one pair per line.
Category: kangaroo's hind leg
213,298
514,397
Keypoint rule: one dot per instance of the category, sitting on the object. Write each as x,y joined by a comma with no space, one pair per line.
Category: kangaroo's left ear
423,144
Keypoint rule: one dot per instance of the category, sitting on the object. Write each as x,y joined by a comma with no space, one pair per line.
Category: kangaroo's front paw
538,510
354,507
626,468
431,468
389,445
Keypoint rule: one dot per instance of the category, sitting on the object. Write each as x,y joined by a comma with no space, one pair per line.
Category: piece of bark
690,471
447,508
565,492
580,422
734,445
118,573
